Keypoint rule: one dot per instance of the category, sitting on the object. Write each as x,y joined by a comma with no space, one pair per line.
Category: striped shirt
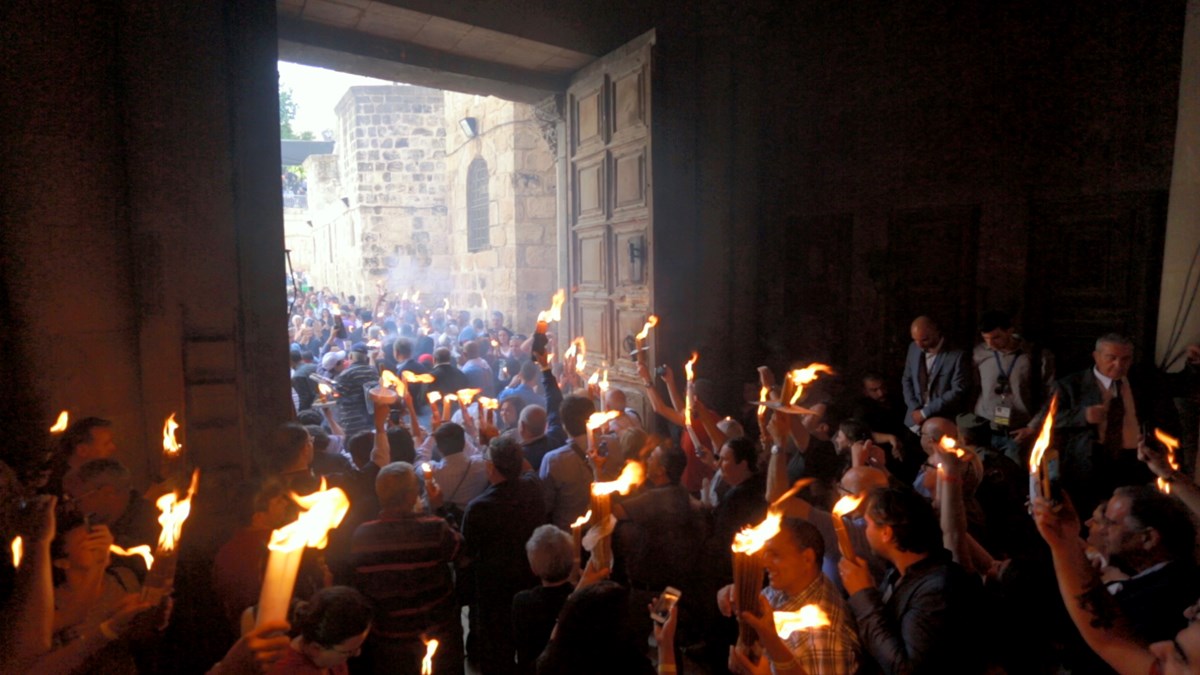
402,563
353,413
822,651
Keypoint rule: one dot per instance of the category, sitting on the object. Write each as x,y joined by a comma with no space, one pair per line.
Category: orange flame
803,376
762,396
650,323
324,389
604,382
808,618
631,477
688,370
594,379
411,377
582,520
1043,440
489,403
170,445
597,420
427,660
61,425
416,297
751,539
335,309
323,511
404,298
389,379
427,469
847,504
950,445
465,396
433,397
1172,445
555,311
174,512
18,550
142,550
580,360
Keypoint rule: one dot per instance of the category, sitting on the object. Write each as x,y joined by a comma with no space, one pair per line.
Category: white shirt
1131,430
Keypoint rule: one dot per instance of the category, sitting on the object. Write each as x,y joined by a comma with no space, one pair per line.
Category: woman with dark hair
328,630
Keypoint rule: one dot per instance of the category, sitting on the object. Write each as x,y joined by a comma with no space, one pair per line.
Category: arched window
477,205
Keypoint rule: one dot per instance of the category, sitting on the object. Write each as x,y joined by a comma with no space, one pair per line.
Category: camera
663,604
660,371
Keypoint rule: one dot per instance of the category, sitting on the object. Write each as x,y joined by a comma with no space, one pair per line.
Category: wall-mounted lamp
469,126
346,201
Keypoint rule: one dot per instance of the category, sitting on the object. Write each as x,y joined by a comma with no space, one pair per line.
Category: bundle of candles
603,521
748,569
540,336
175,512
845,506
1043,461
434,398
639,352
1171,444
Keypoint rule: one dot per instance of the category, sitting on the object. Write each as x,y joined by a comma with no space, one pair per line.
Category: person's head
503,337
359,354
271,507
793,557
511,408
396,486
470,350
632,442
89,438
310,418
860,480
295,357
849,432
574,413
1180,656
614,399
504,459
996,329
288,449
593,630
531,372
401,442
334,362
730,427
402,349
497,320
932,431
320,439
973,431
551,554
359,447
901,521
333,625
99,488
532,424
665,465
69,551
1144,527
1098,527
875,387
450,439
441,355
737,460
1113,355
925,333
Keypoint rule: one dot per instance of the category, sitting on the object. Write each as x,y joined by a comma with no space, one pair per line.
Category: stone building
410,201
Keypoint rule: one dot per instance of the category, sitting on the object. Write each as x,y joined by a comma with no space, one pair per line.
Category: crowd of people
474,526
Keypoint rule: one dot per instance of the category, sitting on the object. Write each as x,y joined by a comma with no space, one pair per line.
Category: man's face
1113,360
787,565
509,414
1097,527
875,389
878,536
99,446
1000,339
1120,540
925,337
656,471
1180,656
105,503
727,463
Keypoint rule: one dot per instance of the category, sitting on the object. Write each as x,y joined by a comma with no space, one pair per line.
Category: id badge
1003,415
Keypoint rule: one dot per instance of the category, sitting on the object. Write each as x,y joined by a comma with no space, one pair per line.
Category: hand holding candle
841,509
689,398
540,337
1039,473
631,476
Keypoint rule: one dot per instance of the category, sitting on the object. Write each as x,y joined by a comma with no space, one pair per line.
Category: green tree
287,113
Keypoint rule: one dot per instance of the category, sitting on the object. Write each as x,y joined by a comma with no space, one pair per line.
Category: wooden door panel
629,178
592,319
588,120
592,257
630,256
590,189
628,102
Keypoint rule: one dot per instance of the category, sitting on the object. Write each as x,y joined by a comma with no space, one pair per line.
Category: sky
316,91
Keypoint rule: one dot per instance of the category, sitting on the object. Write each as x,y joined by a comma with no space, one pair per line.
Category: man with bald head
531,430
936,379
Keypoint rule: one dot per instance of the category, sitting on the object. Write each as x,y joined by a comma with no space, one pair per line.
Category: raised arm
381,452
660,407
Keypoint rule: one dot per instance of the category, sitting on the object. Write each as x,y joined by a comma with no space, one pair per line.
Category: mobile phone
663,604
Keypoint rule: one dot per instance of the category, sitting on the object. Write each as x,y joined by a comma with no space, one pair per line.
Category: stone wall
298,238
378,204
516,272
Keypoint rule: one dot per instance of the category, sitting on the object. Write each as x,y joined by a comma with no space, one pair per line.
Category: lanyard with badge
1003,412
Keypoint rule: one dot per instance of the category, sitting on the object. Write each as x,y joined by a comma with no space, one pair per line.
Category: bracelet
107,631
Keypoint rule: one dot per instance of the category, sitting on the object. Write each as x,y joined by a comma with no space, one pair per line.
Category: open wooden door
609,235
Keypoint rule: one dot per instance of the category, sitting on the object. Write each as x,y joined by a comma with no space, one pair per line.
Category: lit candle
1037,454
631,476
60,425
748,568
641,338
1172,444
174,512
540,338
431,647
845,505
690,373
577,535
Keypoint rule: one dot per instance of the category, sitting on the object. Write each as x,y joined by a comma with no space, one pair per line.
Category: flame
751,539
599,419
489,403
555,311
808,618
1043,440
594,379
604,382
650,323
18,550
174,512
582,520
762,396
847,504
427,468
416,298
803,376
335,309
324,389
495,344
411,377
465,396
323,510
389,379
433,397
950,445
404,298
631,476
446,305
450,397
580,361
1172,444
142,550
570,353
372,344
61,425
691,376
427,660
170,445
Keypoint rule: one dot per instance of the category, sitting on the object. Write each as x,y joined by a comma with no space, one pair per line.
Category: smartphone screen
663,604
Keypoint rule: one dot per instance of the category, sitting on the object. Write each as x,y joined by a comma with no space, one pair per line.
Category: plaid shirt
832,650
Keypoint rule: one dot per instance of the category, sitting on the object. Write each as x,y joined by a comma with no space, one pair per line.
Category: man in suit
1103,410
936,379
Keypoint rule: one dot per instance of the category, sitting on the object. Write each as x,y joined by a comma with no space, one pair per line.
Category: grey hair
395,483
1113,339
551,553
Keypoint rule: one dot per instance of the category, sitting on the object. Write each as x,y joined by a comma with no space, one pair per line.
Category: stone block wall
516,273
